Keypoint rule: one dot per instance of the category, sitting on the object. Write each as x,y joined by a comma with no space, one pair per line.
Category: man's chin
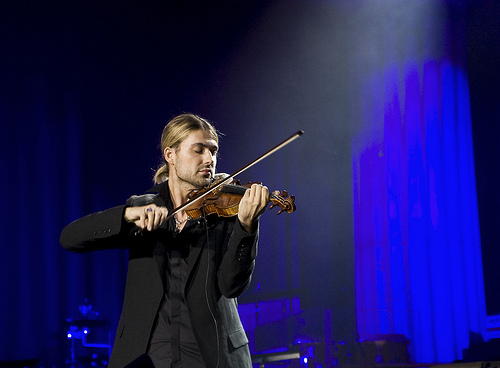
207,182
204,181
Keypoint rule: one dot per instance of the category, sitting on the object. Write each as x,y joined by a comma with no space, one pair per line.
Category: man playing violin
184,274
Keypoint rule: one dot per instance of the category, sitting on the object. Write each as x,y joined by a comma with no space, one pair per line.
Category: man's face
193,162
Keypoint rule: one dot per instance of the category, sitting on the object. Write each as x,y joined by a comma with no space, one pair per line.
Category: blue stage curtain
417,243
418,250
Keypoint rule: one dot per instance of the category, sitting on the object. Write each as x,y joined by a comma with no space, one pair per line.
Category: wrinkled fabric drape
418,249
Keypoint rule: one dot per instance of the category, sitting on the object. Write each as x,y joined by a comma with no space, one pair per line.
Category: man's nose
209,157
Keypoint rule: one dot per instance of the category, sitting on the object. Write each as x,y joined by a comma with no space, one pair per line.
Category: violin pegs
284,194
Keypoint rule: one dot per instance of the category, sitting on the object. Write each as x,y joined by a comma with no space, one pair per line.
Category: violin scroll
283,201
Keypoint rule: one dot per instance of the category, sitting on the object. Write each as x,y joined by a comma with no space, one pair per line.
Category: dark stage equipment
89,339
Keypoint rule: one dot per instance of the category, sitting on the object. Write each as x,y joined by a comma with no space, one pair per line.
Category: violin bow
220,182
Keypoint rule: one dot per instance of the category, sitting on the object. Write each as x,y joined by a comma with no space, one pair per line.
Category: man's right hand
146,217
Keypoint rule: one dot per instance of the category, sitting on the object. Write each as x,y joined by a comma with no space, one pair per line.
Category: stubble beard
194,181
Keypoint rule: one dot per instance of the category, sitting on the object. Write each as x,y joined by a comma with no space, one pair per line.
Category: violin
224,201
225,196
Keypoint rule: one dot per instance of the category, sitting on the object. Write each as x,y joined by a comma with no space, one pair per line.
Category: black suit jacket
220,270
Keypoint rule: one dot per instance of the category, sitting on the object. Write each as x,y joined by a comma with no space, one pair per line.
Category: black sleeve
238,262
101,230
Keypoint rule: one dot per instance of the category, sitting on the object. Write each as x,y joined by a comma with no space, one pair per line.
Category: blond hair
174,134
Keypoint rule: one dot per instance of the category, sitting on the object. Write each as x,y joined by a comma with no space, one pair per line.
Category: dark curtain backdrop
483,55
86,88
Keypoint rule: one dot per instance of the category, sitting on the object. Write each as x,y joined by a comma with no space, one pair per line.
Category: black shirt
172,342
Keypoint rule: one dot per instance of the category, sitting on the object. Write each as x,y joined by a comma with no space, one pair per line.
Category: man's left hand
252,205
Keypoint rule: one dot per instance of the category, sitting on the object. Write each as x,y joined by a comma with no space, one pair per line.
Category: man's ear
168,155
